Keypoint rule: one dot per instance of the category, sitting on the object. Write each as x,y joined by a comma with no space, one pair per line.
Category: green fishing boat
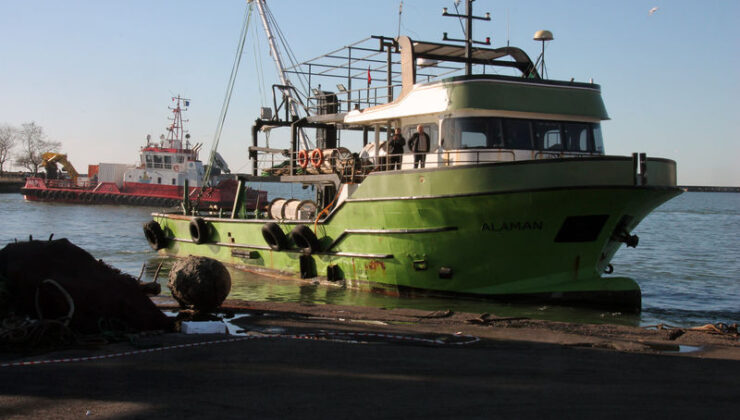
502,188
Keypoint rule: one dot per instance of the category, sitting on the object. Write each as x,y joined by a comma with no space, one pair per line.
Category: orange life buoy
303,159
176,168
317,158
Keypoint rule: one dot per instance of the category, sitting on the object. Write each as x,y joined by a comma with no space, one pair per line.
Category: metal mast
177,129
293,102
468,16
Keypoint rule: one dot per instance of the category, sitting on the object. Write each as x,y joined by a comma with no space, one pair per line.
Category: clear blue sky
97,75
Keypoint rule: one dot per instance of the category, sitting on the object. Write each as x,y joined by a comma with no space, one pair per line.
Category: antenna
544,36
400,11
507,27
468,33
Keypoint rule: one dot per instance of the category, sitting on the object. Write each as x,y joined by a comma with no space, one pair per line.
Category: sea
687,262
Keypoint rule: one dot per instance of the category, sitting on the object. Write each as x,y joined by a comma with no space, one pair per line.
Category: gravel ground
297,361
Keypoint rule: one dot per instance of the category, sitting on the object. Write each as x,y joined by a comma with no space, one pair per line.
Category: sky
98,75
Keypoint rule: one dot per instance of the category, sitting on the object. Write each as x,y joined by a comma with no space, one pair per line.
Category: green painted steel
491,229
528,97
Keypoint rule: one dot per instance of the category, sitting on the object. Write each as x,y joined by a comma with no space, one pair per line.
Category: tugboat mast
175,130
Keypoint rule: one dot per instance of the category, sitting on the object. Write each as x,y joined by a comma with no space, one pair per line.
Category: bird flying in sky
653,10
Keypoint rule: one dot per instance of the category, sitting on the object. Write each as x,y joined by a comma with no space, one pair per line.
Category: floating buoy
199,283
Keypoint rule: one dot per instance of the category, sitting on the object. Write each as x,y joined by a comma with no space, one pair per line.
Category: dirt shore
298,361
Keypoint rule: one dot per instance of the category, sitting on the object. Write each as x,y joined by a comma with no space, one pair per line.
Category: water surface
687,262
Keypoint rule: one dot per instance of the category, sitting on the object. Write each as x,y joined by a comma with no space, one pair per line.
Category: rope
27,334
353,338
227,99
70,301
259,66
326,209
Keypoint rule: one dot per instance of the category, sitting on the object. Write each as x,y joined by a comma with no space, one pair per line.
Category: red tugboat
160,178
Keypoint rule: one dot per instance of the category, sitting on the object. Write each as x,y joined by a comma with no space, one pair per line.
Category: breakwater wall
707,188
12,182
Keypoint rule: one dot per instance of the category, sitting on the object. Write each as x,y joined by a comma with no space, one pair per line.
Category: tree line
26,144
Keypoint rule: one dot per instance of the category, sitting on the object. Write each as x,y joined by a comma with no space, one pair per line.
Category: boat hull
138,194
472,231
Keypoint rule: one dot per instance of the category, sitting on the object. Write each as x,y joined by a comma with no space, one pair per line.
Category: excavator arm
61,158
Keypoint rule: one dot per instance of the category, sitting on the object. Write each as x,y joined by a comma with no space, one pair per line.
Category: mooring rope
354,338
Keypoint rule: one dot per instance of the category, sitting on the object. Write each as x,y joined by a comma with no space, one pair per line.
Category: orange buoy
303,159
317,158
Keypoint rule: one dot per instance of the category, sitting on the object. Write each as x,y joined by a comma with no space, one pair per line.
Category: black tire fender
155,235
199,230
274,236
305,239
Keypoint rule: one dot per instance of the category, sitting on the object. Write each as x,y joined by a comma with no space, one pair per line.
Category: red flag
369,79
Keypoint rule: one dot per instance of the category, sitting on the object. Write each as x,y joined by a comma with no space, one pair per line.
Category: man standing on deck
395,150
419,144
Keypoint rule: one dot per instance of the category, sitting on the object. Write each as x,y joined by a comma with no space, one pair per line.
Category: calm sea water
687,262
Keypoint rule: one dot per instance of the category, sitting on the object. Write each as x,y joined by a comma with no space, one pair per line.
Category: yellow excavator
50,158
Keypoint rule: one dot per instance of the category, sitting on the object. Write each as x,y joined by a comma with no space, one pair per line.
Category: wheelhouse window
168,162
472,133
598,140
517,134
577,137
157,159
521,134
547,135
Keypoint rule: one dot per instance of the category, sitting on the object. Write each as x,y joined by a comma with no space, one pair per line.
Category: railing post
643,168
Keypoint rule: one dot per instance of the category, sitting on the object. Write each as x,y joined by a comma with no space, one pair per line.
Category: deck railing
355,167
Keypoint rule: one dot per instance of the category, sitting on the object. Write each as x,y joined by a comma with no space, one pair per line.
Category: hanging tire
305,239
274,236
199,230
154,235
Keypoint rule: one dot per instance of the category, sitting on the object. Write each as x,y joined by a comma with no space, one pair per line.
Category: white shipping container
112,172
